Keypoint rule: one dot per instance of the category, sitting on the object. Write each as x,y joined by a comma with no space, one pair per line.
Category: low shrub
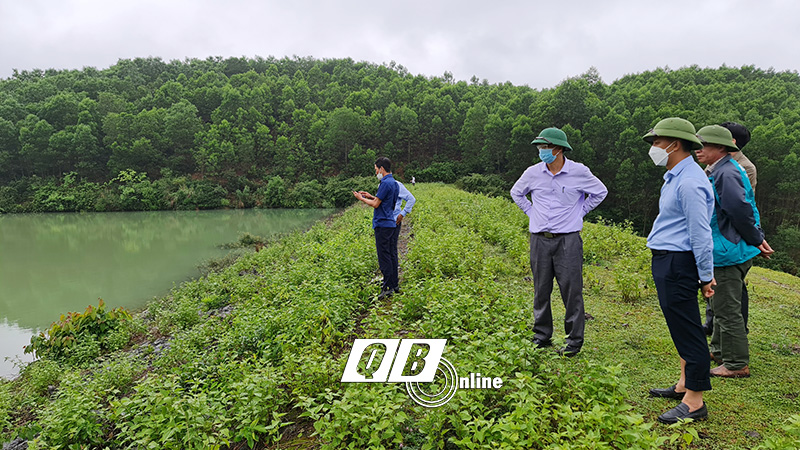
75,419
306,194
492,185
78,337
444,172
338,192
273,195
5,408
790,440
42,375
200,194
165,413
365,417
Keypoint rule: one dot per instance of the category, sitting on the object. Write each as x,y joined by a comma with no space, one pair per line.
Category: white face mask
660,155
379,175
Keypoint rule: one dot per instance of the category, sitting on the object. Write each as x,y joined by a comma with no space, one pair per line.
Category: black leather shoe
568,351
397,290
682,412
542,344
385,294
667,393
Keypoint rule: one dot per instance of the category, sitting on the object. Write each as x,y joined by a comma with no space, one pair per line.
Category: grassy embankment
268,373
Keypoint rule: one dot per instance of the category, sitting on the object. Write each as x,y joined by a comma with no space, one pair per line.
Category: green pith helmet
674,127
552,136
715,134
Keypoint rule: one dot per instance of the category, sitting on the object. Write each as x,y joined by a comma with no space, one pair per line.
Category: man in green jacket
741,136
738,238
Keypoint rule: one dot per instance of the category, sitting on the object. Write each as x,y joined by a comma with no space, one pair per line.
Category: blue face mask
546,155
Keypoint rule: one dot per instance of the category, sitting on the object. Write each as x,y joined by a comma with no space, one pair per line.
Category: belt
552,235
667,252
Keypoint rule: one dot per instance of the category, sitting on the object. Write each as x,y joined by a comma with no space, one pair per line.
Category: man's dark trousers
395,260
559,257
383,245
675,275
745,311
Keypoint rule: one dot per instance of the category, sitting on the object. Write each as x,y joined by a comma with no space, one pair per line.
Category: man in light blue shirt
399,213
683,261
562,192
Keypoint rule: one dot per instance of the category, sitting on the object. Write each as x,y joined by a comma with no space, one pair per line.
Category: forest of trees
299,132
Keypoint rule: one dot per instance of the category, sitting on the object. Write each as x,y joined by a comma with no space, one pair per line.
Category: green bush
445,172
200,194
70,195
40,375
121,336
165,413
338,192
273,195
492,185
365,417
78,337
136,193
14,195
117,377
550,410
306,194
75,419
256,402
181,313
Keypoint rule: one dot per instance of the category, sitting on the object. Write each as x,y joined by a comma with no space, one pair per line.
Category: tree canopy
241,122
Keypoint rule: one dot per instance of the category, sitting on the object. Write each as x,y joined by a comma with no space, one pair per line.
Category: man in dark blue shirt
383,222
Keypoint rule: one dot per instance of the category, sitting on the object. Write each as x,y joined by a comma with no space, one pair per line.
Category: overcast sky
522,41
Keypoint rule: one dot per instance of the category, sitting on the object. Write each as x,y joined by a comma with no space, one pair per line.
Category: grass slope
251,357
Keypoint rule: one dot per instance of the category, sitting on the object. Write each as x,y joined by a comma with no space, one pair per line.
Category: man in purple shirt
562,192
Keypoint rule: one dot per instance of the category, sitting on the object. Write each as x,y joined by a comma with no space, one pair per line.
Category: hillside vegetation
148,134
252,356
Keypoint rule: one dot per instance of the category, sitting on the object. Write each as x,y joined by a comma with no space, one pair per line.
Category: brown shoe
716,359
724,372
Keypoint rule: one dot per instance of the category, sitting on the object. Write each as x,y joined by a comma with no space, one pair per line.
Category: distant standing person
413,181
736,230
383,222
741,136
683,260
400,213
562,192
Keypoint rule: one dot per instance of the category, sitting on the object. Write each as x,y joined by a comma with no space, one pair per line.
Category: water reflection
55,263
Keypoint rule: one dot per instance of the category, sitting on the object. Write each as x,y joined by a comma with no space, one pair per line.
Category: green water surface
55,263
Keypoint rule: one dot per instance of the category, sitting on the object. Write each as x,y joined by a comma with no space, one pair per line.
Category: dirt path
406,233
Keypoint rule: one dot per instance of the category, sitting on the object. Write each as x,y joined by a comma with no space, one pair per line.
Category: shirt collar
565,169
675,171
711,167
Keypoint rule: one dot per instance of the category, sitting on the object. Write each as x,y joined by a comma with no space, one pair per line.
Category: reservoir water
51,264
